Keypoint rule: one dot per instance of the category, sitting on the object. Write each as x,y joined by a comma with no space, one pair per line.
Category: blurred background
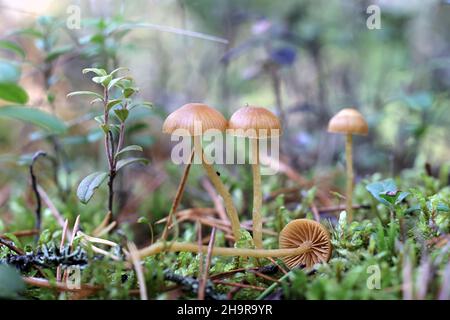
304,60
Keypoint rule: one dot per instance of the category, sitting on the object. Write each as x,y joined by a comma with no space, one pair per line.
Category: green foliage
11,284
386,192
88,185
120,106
32,115
12,92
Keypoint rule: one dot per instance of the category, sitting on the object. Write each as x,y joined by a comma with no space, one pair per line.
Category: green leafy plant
119,106
387,193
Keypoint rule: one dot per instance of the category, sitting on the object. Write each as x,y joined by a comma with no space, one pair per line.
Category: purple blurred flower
283,56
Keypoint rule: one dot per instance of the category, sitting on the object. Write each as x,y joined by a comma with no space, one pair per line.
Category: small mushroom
188,117
302,242
255,123
349,122
301,231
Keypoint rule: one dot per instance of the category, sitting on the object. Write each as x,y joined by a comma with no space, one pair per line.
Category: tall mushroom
302,242
255,123
305,231
349,121
194,119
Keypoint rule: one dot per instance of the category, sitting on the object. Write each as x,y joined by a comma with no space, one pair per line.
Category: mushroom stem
221,251
178,195
257,195
349,160
220,187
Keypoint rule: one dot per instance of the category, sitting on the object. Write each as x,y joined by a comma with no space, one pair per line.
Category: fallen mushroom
302,242
306,231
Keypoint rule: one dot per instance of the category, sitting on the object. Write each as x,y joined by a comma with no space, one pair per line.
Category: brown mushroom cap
188,115
348,121
300,231
248,122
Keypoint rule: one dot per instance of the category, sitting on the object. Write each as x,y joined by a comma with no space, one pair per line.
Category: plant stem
34,185
178,195
112,175
221,251
204,278
257,195
349,160
270,289
220,187
110,152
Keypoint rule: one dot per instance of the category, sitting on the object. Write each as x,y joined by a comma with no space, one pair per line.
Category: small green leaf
12,92
116,81
386,192
99,72
125,162
122,114
105,128
89,185
11,46
130,148
51,97
118,69
85,93
35,116
128,92
112,103
103,80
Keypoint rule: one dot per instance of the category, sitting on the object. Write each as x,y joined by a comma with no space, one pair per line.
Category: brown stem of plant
200,257
218,184
257,195
10,245
34,185
178,195
202,283
109,147
112,175
59,286
349,160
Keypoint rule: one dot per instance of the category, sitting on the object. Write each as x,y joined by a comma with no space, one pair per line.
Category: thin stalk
34,185
178,195
204,278
349,160
270,289
200,258
257,195
220,187
109,146
221,251
112,175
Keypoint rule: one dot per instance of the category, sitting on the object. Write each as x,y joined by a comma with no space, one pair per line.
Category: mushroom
302,242
188,118
349,122
255,123
303,231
